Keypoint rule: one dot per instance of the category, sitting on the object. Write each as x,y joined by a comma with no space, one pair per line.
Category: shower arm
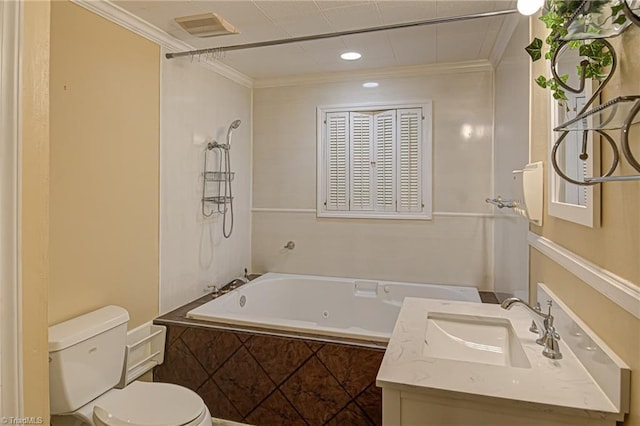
432,21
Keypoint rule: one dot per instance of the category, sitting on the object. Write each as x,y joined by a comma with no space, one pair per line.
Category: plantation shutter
384,160
337,155
409,152
361,161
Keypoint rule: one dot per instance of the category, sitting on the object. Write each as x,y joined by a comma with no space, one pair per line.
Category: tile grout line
351,399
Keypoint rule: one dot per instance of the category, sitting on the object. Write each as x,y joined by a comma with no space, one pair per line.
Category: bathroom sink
484,340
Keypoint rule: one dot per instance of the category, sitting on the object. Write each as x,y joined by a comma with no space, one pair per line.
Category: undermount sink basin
469,338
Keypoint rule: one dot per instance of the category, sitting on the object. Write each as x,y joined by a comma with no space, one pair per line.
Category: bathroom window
375,161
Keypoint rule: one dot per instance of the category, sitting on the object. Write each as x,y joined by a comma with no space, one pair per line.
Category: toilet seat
149,404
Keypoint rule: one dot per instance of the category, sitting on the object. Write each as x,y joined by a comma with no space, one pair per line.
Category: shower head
234,125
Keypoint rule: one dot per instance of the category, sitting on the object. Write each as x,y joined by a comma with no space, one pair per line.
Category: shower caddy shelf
218,176
215,179
619,113
217,199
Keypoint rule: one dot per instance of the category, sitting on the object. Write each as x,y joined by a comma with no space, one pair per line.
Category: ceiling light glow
529,7
351,56
370,84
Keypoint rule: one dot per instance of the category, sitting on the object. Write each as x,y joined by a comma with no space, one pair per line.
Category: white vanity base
589,386
403,408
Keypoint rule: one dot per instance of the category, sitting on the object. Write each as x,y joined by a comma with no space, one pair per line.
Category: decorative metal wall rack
616,114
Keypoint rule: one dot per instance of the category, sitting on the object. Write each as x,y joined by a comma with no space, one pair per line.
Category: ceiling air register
206,25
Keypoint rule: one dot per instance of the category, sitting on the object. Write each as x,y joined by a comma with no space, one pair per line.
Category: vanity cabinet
436,408
461,363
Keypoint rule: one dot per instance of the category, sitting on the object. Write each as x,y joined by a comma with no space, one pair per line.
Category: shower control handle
290,245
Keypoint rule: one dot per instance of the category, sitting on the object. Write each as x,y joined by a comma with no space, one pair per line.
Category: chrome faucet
238,281
547,335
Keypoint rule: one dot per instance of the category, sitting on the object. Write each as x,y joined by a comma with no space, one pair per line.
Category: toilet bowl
86,362
146,403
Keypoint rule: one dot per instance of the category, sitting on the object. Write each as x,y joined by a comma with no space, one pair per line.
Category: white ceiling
262,20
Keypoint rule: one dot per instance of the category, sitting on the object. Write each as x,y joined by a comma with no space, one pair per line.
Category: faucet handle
212,289
534,327
549,305
551,346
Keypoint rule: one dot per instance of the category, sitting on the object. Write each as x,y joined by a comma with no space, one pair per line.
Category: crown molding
620,291
122,17
391,72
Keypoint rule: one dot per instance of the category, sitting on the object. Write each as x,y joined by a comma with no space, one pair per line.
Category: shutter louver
409,147
337,187
361,157
385,130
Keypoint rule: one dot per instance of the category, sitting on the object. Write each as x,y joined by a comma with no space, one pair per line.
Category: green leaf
564,78
595,6
575,44
551,19
620,20
592,29
542,82
616,9
597,46
559,94
585,50
534,49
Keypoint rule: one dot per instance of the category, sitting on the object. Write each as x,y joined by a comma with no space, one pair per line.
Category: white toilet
86,357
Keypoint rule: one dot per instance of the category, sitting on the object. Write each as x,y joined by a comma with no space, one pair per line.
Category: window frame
426,160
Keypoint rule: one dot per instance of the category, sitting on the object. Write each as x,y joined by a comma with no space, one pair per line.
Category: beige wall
616,244
448,249
35,207
104,167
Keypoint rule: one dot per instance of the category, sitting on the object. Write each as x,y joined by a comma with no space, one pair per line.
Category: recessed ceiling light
351,56
370,84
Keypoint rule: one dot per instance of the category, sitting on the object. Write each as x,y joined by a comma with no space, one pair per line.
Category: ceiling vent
206,25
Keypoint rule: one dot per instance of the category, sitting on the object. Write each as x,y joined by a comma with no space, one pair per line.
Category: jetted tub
342,307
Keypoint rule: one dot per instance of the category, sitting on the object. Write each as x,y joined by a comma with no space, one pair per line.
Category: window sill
373,215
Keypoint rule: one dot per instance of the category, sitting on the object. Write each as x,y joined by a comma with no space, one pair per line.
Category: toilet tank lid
78,329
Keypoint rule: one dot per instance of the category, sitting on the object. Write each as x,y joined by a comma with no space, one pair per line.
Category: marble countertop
563,383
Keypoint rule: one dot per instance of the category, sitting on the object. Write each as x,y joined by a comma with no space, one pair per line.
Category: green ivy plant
596,56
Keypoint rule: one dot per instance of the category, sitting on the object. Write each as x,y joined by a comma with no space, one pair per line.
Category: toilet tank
86,357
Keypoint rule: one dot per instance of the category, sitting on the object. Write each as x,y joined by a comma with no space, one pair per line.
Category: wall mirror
576,203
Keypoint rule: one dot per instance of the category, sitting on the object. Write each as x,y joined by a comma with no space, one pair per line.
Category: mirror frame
589,214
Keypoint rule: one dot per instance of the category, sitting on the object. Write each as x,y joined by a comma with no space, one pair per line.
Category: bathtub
341,307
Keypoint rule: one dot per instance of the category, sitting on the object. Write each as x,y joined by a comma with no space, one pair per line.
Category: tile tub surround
253,376
269,380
